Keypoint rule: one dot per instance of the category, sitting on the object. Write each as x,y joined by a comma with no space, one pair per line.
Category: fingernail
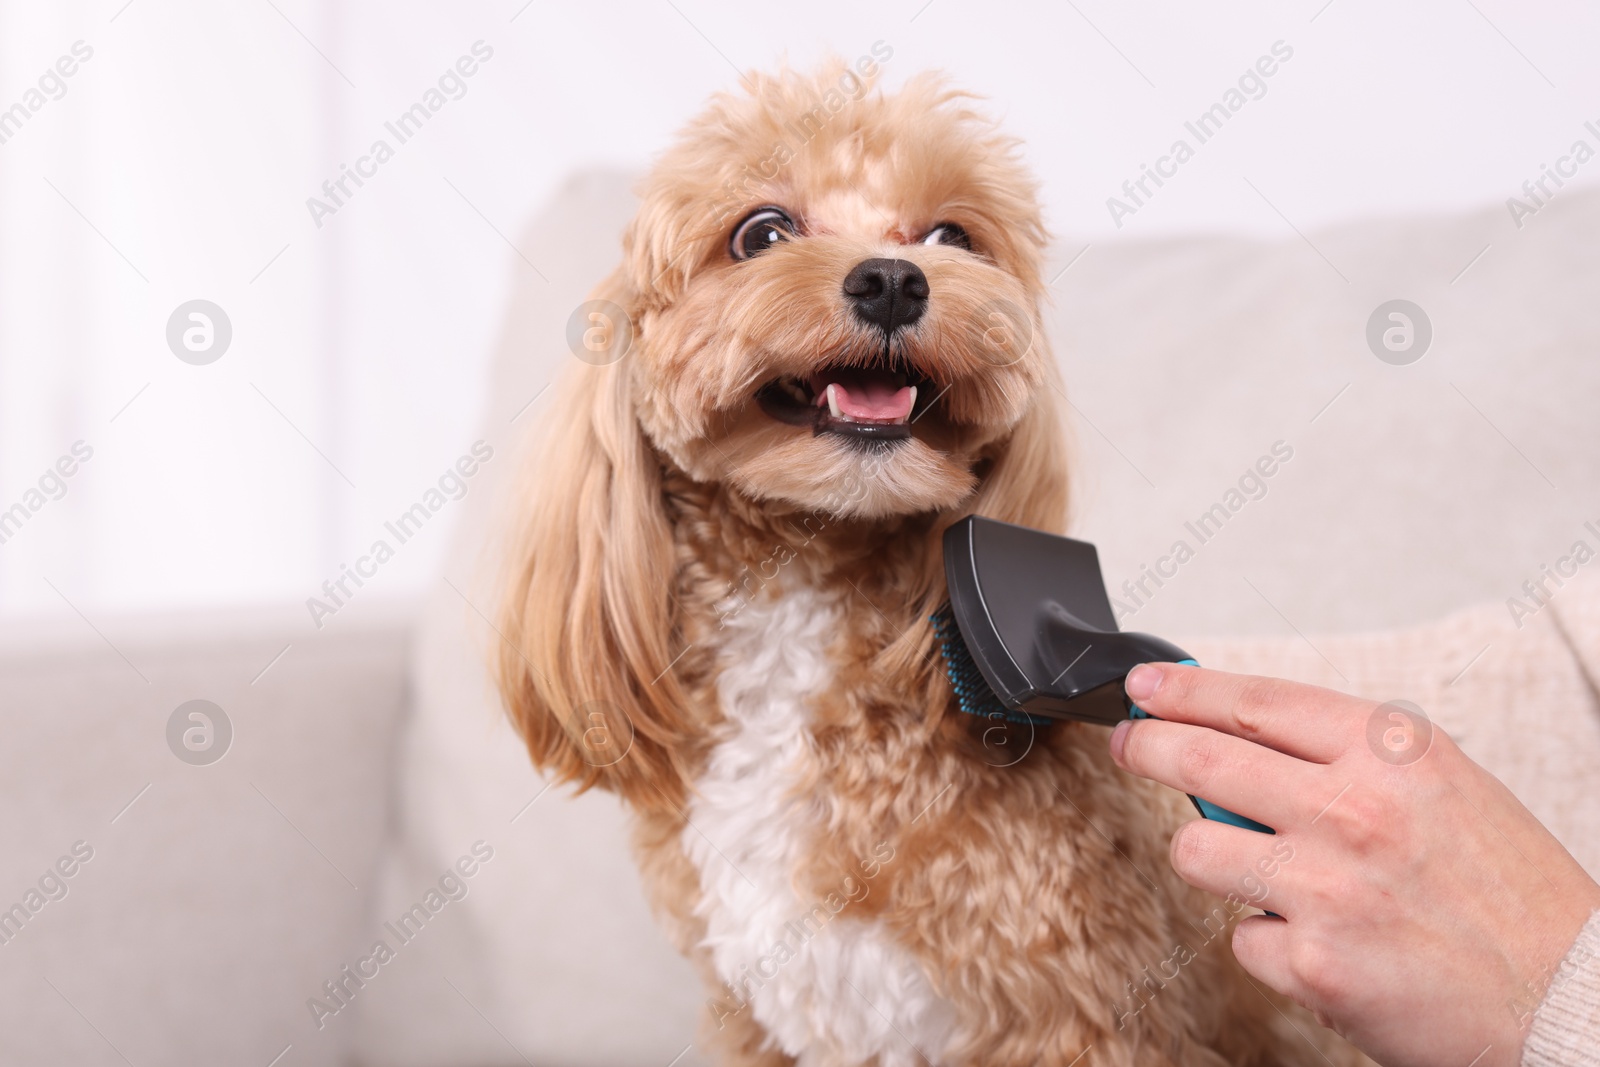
1143,681
1119,738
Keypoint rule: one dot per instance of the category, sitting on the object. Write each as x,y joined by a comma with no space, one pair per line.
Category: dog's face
835,295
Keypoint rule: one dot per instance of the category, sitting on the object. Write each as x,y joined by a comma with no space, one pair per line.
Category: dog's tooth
903,419
833,401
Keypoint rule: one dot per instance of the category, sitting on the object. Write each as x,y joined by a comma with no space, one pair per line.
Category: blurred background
177,163
168,506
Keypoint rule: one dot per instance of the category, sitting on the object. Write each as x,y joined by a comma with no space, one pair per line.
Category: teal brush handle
1207,809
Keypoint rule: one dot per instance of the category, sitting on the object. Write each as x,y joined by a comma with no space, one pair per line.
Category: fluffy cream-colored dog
828,348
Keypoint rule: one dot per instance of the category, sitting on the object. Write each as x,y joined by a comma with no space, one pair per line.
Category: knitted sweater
1566,1028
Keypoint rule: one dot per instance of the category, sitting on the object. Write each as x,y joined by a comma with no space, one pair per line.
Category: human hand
1423,910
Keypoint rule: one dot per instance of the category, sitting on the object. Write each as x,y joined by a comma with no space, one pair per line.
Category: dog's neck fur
730,536
773,595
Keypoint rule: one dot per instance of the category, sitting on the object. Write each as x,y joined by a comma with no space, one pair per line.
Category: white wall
178,163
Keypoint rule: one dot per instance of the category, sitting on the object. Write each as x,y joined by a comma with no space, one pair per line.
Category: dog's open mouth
874,403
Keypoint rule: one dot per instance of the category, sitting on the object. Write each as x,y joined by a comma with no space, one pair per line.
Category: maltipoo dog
823,346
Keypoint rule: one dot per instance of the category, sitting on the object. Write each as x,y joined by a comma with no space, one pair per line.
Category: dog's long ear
587,620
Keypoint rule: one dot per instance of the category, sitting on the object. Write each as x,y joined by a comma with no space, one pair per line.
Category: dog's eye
948,233
759,232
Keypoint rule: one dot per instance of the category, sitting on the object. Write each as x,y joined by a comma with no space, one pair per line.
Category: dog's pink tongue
864,394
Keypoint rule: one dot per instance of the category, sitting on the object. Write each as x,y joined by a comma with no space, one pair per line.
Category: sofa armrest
219,897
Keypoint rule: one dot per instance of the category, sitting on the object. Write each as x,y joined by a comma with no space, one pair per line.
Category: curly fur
724,619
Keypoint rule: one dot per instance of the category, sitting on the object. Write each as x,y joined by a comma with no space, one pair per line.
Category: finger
1243,777
1261,945
1233,863
1301,720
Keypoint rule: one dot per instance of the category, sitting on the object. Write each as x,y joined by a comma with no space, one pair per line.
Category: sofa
231,911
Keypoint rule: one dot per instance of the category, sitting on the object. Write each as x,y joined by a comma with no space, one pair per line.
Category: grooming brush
1029,635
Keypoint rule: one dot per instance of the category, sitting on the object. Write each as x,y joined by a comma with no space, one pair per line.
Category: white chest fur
825,985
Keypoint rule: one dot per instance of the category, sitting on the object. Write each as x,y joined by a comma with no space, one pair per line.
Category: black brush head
1029,630
972,691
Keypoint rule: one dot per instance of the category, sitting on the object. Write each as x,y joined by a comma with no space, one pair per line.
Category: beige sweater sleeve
1566,1028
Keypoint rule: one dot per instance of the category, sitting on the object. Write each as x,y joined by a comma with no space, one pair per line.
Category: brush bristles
973,694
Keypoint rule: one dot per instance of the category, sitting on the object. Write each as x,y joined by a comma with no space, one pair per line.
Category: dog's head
835,295
831,298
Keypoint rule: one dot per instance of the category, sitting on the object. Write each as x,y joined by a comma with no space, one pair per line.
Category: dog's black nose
887,293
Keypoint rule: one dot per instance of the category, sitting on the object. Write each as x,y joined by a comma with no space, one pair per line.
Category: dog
823,345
